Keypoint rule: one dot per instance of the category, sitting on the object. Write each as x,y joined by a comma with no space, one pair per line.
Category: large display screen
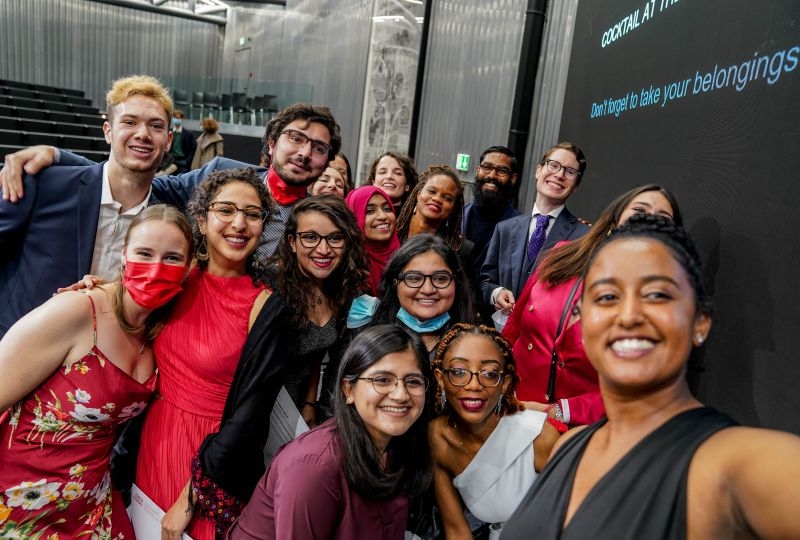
703,97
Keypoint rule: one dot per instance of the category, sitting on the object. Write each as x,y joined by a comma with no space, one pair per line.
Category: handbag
551,381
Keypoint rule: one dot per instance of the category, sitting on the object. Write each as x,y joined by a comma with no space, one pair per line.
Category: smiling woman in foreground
662,465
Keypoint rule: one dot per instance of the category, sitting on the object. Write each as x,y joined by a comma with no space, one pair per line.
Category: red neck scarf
282,192
378,252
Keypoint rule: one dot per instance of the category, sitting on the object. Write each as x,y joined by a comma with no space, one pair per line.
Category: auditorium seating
37,114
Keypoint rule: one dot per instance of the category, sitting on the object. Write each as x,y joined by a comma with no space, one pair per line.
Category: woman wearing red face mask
74,370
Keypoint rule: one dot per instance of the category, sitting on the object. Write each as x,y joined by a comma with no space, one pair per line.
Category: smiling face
436,200
230,244
299,165
320,261
474,403
379,221
389,176
639,317
426,302
553,189
330,183
649,202
390,415
139,135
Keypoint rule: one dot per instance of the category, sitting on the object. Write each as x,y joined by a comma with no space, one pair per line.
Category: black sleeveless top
642,496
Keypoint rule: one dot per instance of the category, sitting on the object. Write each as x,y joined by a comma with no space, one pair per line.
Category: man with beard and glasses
298,144
493,190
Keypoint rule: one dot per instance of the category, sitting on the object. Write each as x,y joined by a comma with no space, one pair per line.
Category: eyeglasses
310,239
554,166
461,377
385,383
298,139
415,280
502,172
226,212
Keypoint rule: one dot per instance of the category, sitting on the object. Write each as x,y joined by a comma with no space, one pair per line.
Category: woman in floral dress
74,369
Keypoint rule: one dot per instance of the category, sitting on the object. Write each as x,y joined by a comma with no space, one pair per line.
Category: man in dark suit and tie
76,225
518,243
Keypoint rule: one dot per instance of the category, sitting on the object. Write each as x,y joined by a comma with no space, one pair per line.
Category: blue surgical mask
176,122
422,327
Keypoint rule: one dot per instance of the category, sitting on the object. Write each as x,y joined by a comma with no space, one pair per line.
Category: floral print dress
55,446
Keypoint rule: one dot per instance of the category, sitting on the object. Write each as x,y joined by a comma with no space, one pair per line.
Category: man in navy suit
508,262
77,225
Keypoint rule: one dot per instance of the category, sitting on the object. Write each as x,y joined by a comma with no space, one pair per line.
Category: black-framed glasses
486,377
226,212
501,171
300,139
310,239
554,167
385,383
415,280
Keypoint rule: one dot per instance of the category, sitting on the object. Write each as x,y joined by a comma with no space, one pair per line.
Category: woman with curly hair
436,206
198,352
320,267
487,449
396,175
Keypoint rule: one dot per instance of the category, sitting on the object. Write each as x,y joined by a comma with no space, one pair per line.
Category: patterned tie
538,236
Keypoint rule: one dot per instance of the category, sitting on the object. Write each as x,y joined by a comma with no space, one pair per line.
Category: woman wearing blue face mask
423,287
74,370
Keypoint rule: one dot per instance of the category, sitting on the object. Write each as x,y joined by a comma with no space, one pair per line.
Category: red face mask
151,285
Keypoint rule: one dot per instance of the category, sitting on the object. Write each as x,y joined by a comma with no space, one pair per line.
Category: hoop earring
202,251
498,409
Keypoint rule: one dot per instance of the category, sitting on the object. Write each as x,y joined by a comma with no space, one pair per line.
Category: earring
202,251
699,339
442,399
498,409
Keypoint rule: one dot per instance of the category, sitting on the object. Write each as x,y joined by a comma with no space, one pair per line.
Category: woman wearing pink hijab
375,216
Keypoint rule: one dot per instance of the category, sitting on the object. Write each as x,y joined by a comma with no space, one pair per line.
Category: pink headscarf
379,252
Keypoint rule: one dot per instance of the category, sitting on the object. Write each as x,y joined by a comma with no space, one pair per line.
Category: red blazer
531,329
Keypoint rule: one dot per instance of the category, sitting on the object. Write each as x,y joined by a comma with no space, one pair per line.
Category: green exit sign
462,162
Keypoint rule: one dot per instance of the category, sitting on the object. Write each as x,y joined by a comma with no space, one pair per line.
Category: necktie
538,236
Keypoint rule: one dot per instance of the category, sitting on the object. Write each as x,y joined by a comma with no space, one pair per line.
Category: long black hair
409,469
462,309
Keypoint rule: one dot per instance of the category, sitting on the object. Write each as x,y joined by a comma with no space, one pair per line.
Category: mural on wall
391,80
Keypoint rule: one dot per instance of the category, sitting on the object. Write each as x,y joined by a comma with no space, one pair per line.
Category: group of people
197,297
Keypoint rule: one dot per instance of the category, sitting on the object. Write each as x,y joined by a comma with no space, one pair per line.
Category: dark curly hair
203,197
511,404
463,303
344,283
301,111
675,238
451,230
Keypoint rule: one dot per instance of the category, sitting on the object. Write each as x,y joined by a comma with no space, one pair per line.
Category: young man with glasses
517,244
297,145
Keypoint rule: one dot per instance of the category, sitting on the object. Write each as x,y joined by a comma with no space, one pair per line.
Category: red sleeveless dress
55,446
197,353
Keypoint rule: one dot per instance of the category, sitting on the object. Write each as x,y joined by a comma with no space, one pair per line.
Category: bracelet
309,404
558,414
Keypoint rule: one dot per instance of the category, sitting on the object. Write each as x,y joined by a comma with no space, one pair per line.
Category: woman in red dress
74,370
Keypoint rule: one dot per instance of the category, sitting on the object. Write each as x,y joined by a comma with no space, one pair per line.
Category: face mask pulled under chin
153,284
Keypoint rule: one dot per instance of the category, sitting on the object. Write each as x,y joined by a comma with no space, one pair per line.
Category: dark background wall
730,154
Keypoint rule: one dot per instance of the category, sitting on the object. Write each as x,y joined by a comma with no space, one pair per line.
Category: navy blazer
507,264
47,238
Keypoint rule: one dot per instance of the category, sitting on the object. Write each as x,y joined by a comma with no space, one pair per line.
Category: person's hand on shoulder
27,161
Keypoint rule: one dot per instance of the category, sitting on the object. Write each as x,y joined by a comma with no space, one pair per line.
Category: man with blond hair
76,226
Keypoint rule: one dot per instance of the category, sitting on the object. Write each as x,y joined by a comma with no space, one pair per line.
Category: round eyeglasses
226,212
415,280
486,377
554,166
385,383
487,168
310,239
300,139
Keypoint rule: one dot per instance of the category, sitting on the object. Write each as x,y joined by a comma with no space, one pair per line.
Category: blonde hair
144,85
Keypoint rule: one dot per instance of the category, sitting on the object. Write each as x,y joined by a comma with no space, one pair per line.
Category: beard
292,179
491,203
